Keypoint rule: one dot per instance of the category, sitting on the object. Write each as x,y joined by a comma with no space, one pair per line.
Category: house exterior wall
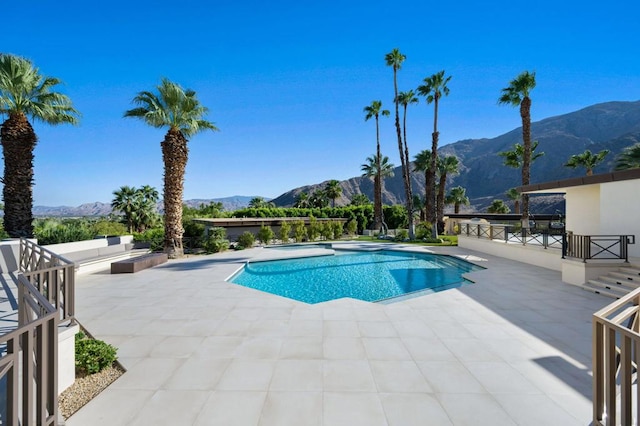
620,206
611,208
583,210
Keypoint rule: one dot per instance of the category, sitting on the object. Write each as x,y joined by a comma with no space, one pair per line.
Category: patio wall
545,258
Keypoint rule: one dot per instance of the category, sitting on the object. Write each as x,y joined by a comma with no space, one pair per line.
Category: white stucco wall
620,207
583,210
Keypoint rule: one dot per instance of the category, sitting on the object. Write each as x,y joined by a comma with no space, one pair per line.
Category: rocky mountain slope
103,209
611,125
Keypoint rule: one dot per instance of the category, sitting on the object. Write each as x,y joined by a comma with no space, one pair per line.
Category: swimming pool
369,276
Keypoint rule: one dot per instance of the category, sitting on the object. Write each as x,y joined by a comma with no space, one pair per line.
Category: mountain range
612,125
103,209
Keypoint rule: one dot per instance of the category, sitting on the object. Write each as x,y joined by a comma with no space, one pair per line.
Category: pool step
616,283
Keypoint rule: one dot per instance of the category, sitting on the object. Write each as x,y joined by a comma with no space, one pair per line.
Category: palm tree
395,59
517,94
447,166
587,160
180,111
333,190
433,89
147,207
375,110
259,203
25,92
515,196
515,157
457,196
629,158
498,206
124,201
302,201
422,163
360,200
375,167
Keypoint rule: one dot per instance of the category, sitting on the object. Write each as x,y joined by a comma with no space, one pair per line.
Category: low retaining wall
538,256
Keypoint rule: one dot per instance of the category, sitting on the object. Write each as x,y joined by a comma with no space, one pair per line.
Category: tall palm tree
515,157
517,95
395,59
382,168
179,110
514,195
333,190
24,92
629,158
422,163
447,166
433,89
375,110
587,159
457,196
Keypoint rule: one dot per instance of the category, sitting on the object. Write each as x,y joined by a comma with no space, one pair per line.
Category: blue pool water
369,276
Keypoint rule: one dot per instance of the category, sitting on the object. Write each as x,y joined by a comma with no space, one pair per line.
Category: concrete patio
512,349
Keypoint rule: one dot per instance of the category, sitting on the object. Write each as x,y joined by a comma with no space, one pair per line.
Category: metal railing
545,238
615,367
51,274
29,361
603,247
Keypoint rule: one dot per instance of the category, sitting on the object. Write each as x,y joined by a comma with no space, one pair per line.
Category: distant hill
103,209
612,125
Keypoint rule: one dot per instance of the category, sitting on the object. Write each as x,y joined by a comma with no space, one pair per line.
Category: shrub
352,227
213,244
155,238
338,229
423,230
265,234
93,356
315,228
246,240
285,230
326,230
402,235
107,227
299,231
54,231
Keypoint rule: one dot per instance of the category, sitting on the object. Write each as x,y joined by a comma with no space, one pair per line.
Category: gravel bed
84,389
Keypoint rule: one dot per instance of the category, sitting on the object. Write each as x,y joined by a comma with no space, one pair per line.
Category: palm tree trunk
377,189
377,205
440,204
408,189
405,166
456,208
432,216
516,206
525,114
18,142
174,154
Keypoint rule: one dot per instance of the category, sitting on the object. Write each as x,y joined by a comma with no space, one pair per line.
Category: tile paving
514,348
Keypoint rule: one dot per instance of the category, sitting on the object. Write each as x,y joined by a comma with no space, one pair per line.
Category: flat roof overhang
560,186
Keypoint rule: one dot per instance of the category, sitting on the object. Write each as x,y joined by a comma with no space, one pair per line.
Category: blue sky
286,81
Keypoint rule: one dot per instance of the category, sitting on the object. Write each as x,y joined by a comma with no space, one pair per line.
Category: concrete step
620,282
630,270
595,287
625,277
